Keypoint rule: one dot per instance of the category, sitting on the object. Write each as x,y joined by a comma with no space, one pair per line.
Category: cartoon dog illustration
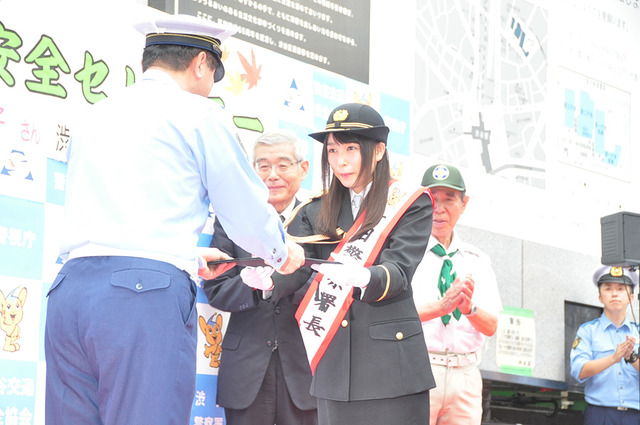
212,330
10,315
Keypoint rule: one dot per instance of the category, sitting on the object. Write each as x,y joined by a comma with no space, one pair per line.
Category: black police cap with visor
354,118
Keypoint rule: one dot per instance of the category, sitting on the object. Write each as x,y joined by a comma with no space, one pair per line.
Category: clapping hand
465,287
624,349
459,295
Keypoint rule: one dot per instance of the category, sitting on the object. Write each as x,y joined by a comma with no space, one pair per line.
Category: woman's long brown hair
375,201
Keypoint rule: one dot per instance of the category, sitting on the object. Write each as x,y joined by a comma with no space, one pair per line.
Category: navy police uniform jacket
379,350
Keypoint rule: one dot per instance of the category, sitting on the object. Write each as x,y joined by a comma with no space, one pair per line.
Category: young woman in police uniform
373,366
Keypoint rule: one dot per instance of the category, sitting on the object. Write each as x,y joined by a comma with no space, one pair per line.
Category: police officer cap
608,274
356,118
186,30
444,176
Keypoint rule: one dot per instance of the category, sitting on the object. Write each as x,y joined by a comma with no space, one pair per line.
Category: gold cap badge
340,115
616,271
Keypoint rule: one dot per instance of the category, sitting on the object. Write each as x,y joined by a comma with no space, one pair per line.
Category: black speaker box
620,239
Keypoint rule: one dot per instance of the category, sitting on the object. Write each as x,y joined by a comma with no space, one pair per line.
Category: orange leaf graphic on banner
253,71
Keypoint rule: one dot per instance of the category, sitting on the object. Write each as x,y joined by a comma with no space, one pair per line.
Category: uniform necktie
281,218
447,276
355,204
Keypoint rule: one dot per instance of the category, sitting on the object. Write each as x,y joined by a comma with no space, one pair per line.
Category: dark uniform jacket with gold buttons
379,350
256,328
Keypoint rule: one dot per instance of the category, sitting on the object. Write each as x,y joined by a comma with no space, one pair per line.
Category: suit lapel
294,227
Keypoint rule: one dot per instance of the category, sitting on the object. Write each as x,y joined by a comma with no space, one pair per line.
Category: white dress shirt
459,336
355,206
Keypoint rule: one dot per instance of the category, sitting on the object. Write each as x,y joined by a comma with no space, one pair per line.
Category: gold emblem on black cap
616,271
340,115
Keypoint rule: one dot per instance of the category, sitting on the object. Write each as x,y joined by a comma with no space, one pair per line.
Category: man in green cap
457,298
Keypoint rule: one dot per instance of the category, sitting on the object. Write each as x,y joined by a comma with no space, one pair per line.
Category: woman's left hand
345,274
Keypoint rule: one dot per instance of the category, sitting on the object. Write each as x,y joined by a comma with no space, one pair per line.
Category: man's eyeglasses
282,167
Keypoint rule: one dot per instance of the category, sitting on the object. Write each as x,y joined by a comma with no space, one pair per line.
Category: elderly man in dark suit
264,375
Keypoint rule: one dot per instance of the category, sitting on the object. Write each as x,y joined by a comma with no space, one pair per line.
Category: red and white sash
325,303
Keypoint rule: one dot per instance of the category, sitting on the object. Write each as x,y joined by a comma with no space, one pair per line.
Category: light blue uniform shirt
143,167
618,385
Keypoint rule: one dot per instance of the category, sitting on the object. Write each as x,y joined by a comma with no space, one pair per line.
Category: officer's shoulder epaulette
315,239
299,207
590,323
318,195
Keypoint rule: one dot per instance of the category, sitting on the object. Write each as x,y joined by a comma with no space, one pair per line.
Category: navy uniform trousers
120,343
599,415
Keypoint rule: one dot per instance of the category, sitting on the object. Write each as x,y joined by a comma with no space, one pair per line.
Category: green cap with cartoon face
444,176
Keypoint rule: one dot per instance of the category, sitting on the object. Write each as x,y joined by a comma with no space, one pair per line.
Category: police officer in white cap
604,355
143,168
